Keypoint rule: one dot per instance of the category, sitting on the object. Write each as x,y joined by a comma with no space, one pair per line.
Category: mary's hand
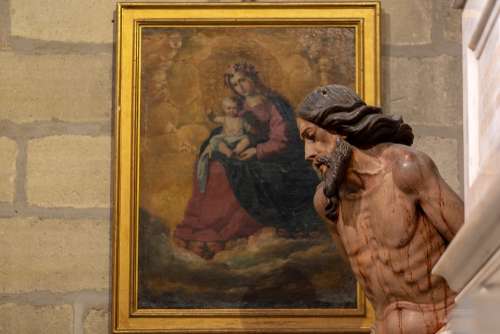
248,154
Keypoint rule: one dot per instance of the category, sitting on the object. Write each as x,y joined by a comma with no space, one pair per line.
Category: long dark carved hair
338,109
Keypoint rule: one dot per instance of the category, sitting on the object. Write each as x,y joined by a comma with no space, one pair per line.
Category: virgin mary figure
268,184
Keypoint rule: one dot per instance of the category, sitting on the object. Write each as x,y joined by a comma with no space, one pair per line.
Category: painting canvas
215,229
226,214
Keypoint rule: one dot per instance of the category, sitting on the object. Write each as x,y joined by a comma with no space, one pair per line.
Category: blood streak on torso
392,247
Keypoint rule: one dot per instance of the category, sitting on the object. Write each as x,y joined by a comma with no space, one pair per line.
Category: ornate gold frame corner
364,16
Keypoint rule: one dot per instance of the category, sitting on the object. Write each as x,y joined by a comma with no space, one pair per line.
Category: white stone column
471,264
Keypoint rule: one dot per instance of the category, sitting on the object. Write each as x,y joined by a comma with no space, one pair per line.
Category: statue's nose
309,153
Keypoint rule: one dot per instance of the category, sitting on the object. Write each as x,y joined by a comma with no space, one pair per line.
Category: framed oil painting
215,231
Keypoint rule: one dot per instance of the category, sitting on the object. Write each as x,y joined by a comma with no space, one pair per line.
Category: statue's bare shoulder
412,170
415,174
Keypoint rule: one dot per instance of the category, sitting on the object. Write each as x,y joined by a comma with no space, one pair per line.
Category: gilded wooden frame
127,318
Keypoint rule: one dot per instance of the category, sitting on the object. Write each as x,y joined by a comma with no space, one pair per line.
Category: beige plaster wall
56,119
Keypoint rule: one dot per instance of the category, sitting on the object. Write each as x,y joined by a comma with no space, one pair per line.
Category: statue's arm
419,177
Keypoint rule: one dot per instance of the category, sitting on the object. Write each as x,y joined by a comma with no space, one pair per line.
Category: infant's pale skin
233,125
396,217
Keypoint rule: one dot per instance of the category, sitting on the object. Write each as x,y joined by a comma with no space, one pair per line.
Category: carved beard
337,163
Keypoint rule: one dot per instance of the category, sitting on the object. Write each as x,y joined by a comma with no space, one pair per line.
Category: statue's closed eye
309,134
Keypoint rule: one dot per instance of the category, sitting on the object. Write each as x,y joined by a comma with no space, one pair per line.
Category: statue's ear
340,138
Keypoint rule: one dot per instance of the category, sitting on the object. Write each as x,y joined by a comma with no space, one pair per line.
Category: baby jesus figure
231,141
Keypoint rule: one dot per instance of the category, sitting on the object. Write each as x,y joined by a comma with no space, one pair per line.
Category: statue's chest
384,217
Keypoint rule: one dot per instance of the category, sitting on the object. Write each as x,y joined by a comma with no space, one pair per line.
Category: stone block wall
56,124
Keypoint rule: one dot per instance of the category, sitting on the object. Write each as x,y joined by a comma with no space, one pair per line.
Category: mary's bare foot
197,247
215,246
180,243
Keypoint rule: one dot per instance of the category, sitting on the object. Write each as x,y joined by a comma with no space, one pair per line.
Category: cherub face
175,40
230,108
